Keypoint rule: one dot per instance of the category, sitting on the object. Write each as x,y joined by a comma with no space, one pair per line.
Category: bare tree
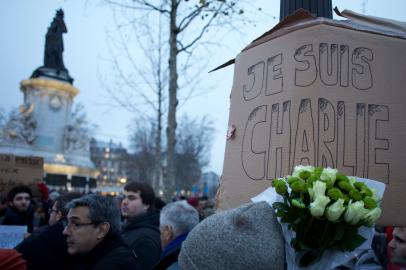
143,145
140,83
192,151
187,23
194,137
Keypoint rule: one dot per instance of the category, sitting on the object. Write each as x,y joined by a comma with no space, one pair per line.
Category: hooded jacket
142,235
14,217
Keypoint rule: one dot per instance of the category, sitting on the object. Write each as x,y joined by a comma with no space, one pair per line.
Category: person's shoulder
120,257
47,238
141,230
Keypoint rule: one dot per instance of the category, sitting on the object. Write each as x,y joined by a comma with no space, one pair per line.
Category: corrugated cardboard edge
371,25
303,19
387,25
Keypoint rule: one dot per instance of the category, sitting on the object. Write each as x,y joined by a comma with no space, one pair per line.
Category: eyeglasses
74,226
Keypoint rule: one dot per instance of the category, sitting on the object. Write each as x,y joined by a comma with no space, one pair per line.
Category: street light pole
320,8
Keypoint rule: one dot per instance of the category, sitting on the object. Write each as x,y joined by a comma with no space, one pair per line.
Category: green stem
308,225
324,234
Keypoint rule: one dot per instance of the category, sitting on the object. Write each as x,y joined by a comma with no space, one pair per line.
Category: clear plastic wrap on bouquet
361,258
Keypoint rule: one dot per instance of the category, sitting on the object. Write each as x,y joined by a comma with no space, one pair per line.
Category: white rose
355,212
335,210
372,216
329,173
318,189
318,206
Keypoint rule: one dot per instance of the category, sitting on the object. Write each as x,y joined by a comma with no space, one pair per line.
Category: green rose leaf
351,240
280,206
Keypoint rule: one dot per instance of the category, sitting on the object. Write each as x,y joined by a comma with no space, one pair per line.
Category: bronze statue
53,61
54,43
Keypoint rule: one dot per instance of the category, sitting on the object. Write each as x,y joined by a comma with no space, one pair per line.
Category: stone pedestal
45,126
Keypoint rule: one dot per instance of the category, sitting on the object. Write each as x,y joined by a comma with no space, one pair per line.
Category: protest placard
19,170
320,92
11,235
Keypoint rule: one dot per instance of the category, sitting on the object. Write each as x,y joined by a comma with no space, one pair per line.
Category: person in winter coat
177,219
93,236
46,248
20,210
141,223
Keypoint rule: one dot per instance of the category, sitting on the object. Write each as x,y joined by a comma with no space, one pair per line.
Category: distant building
112,160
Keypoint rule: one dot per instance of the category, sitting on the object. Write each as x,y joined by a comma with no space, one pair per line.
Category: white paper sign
11,235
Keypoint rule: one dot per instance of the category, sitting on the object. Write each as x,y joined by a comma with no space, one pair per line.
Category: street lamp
123,180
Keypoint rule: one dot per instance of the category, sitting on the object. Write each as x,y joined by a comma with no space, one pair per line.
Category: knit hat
247,237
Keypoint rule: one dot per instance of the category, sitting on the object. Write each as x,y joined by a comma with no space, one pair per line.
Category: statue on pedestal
53,61
54,43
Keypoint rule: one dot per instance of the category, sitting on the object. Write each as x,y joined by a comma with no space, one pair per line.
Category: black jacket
143,236
169,262
14,217
46,249
110,254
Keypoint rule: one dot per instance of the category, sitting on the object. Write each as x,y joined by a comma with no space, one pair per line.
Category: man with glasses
92,234
46,248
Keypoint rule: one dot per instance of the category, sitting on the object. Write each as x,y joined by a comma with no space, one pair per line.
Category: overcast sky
23,24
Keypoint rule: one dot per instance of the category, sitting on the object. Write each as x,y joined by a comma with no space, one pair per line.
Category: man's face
54,214
132,205
21,201
398,246
81,234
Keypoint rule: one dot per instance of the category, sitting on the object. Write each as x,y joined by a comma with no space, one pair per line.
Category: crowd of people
136,230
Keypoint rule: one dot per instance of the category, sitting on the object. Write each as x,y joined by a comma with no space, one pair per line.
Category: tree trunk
173,102
157,180
158,168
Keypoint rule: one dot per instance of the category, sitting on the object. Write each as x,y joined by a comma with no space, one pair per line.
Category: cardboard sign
324,93
11,235
18,170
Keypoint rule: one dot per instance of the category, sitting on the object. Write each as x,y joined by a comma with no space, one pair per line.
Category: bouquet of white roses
325,210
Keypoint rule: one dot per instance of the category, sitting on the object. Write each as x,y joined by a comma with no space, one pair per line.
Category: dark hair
16,190
146,193
63,200
3,198
159,203
101,209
